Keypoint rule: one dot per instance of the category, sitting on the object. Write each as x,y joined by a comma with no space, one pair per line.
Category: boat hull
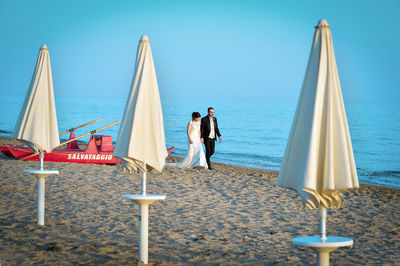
67,156
99,151
5,151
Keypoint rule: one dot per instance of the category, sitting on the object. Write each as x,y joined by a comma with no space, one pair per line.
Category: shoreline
229,216
175,159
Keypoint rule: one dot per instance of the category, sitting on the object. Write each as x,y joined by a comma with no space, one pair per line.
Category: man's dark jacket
206,127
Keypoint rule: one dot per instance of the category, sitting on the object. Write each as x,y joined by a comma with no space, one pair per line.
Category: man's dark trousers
210,147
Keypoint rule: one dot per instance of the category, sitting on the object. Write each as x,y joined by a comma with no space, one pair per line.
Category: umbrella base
41,177
323,247
144,201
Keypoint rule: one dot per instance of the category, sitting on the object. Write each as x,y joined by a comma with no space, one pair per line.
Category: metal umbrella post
144,200
41,187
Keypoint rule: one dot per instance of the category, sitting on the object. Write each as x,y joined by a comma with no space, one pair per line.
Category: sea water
254,133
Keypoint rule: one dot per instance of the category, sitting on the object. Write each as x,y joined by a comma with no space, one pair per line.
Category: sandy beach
229,216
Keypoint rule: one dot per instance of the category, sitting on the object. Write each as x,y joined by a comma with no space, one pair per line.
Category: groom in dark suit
208,133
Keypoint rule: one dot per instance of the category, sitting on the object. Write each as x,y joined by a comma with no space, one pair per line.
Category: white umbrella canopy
37,121
318,161
141,138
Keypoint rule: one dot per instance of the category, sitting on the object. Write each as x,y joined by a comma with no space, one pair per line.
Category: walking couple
198,132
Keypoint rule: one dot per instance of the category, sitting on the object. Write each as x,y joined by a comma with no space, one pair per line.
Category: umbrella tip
44,47
323,22
144,38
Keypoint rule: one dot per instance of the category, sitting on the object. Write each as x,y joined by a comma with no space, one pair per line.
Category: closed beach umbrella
37,121
141,138
318,161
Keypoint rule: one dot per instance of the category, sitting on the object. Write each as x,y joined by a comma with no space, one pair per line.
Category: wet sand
229,216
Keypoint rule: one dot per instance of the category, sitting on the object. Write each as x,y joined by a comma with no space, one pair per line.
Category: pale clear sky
251,50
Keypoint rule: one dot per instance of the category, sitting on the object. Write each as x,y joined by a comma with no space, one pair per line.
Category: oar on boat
84,125
91,132
66,142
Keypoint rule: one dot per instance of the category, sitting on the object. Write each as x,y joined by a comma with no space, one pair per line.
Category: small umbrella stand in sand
141,138
318,161
37,122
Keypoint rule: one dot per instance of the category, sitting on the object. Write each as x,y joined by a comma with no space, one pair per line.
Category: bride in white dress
195,155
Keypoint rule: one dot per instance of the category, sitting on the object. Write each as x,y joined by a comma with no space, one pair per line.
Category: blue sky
239,50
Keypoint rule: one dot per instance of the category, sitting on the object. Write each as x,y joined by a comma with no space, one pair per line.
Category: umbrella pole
323,223
144,233
41,156
40,199
144,201
40,194
144,226
144,183
41,185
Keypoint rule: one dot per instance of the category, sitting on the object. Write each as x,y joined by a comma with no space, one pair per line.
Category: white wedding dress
195,155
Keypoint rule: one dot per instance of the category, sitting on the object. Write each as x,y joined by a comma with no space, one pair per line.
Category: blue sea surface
254,133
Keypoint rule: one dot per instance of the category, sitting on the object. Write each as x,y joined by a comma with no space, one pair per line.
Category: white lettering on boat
89,156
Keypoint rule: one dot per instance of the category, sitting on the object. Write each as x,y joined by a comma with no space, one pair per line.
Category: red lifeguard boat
98,151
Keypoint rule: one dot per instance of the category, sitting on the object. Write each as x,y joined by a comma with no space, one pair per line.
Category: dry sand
228,216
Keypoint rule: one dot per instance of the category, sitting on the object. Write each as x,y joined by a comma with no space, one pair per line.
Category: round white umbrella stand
41,177
323,247
323,244
144,201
